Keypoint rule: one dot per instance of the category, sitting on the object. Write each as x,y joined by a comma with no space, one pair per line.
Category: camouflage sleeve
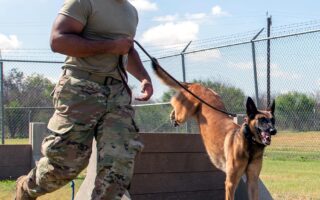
79,10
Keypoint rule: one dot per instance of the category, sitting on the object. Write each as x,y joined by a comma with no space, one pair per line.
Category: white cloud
205,55
9,42
171,33
196,16
243,65
177,17
144,5
217,11
277,72
166,18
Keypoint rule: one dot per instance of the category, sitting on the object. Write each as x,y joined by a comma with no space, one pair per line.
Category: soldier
91,99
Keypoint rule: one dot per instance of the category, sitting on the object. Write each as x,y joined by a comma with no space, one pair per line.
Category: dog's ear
251,108
272,107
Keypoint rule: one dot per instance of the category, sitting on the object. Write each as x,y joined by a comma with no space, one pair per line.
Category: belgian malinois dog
234,149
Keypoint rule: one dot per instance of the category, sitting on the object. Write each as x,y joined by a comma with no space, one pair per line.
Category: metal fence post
255,67
183,62
184,76
2,104
2,100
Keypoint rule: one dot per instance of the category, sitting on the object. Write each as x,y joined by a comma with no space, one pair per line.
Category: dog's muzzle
265,135
273,131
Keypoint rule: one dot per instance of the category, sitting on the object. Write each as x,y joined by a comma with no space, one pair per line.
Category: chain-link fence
225,64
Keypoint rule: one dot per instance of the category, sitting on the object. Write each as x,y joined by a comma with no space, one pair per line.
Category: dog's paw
173,119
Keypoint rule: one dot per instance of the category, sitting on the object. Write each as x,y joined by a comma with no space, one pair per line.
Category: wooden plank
172,142
15,161
7,173
198,195
15,155
177,182
172,162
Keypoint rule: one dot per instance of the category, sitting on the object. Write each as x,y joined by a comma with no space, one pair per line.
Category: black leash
156,66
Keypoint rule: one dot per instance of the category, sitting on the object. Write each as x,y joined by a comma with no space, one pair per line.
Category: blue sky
26,24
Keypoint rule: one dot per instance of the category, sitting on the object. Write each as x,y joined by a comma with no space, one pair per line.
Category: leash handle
156,66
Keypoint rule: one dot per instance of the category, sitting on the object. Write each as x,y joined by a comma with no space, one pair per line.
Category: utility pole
269,23
2,100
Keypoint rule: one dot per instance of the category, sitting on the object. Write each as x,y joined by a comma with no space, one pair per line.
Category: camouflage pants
84,110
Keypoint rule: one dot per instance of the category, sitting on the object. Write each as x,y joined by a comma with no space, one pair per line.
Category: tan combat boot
21,189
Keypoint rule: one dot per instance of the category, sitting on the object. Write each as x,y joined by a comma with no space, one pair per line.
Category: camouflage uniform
86,109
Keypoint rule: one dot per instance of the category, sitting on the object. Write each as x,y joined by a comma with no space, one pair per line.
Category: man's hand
122,46
146,89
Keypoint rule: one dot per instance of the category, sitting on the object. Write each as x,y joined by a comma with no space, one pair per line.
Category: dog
236,150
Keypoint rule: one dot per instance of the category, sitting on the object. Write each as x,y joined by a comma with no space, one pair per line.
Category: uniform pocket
58,88
59,124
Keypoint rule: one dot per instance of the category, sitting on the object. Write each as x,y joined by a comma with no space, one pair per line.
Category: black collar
251,141
250,137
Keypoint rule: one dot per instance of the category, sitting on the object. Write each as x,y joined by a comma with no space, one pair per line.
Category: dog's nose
273,131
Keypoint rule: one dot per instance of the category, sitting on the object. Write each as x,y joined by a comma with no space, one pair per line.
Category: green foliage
296,111
153,118
167,95
37,86
232,97
21,92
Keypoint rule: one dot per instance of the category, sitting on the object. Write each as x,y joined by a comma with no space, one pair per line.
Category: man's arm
136,68
66,39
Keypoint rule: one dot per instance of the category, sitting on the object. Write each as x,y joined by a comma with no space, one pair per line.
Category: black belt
103,80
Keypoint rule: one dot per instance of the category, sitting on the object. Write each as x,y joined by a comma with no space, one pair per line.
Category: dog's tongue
266,137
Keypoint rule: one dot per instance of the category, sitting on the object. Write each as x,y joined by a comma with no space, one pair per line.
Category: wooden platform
171,166
15,160
175,166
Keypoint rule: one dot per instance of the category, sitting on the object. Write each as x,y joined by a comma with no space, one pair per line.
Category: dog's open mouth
265,137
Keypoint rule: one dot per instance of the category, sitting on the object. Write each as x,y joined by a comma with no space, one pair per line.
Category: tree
12,85
37,86
167,95
20,94
295,111
232,97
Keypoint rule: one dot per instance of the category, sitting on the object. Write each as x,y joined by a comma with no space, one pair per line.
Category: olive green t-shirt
102,20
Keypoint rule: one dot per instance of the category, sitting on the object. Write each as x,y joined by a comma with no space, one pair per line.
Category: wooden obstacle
171,167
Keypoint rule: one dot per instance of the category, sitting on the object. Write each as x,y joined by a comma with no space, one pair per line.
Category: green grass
7,189
17,141
291,169
292,179
291,166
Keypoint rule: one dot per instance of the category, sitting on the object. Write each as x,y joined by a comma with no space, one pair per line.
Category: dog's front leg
252,174
234,171
253,188
232,179
230,188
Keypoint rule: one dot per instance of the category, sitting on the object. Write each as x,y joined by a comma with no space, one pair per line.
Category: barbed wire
174,49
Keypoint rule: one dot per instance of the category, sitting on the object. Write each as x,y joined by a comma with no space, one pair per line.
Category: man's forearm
76,46
136,68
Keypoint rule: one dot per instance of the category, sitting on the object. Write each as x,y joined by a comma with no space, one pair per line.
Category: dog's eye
263,120
273,121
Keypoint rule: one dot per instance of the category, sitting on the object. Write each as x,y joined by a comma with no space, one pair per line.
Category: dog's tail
164,77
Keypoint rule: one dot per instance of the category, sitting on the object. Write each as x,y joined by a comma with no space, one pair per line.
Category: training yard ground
291,169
